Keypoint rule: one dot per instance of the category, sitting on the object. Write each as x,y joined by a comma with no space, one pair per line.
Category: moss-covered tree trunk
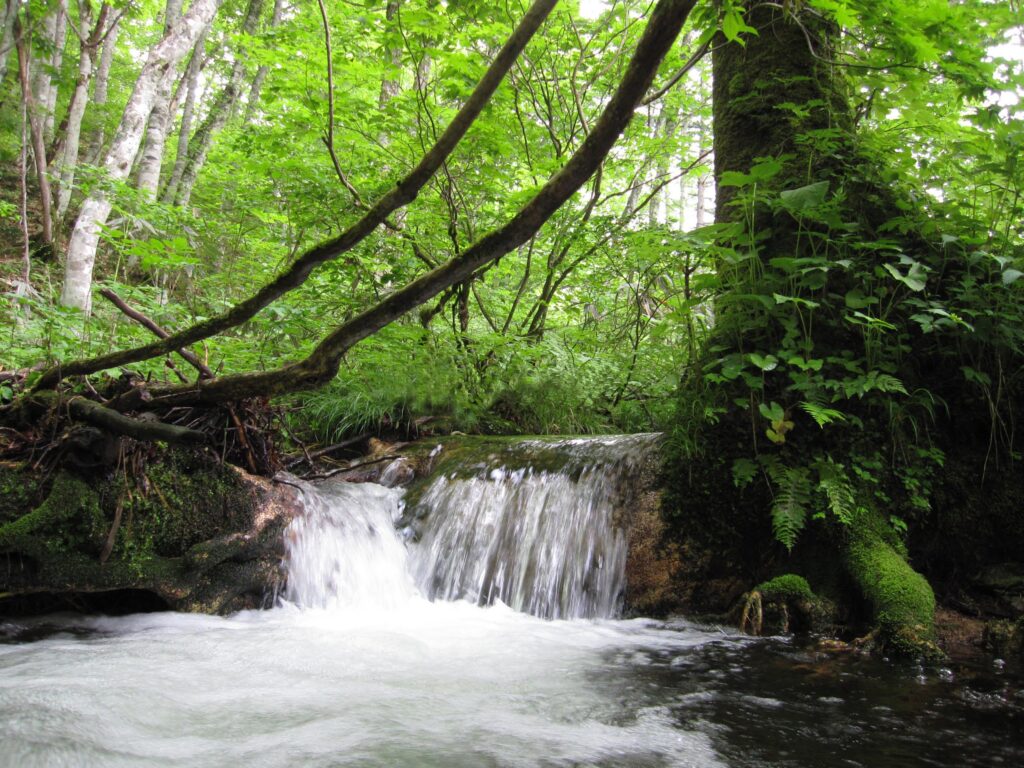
785,144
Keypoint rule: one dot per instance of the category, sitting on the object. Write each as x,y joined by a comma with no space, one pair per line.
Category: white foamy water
357,669
437,684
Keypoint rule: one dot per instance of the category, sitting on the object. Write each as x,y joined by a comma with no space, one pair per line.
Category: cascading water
545,542
343,552
540,542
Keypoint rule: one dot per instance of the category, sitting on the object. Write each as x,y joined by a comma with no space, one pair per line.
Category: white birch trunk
99,87
67,162
253,100
202,141
148,180
49,96
195,66
162,59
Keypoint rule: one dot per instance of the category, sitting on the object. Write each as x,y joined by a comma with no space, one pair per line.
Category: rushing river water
357,667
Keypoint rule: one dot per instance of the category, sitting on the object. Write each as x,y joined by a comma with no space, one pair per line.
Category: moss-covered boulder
783,605
196,534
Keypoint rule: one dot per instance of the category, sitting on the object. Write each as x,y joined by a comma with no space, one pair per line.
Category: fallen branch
118,423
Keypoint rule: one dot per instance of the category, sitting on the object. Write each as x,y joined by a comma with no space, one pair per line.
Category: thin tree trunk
253,100
200,144
667,124
68,158
7,35
49,97
195,66
35,122
148,180
389,88
164,56
99,87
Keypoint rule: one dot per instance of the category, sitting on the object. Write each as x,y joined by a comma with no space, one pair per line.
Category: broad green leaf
803,198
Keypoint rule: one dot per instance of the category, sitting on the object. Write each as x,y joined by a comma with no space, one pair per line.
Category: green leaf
773,411
803,198
1011,276
743,472
766,363
914,279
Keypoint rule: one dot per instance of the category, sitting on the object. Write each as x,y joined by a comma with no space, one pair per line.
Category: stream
477,629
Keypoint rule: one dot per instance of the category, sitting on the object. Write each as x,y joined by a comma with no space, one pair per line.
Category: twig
190,357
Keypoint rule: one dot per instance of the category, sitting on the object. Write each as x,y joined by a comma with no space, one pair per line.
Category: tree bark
195,66
36,129
99,86
253,99
148,180
43,87
7,35
404,192
68,159
162,58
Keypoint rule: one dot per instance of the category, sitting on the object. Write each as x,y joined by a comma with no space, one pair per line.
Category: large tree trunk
163,58
223,106
793,47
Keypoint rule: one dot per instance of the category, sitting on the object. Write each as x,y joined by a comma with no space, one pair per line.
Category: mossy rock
1005,638
69,520
783,605
199,535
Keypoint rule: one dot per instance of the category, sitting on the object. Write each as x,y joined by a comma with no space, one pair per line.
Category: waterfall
536,524
344,551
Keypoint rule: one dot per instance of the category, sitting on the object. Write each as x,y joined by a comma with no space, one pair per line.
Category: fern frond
789,511
743,471
835,484
821,414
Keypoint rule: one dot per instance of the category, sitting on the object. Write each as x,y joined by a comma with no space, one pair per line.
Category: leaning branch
322,364
403,193
189,356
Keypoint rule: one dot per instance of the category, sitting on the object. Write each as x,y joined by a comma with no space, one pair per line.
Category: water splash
344,552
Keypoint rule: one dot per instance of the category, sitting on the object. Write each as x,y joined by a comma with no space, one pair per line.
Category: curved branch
322,364
112,421
403,193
